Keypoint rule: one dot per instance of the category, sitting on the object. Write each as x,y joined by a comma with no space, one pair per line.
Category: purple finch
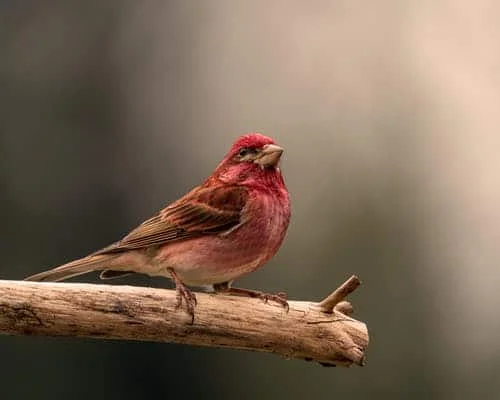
227,227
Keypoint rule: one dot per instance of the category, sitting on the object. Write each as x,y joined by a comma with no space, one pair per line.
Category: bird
227,227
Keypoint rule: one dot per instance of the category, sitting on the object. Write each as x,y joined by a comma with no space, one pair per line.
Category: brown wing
204,210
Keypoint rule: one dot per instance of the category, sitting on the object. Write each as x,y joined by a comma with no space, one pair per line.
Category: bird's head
252,156
257,149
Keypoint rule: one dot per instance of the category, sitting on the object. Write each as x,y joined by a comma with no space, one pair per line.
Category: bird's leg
225,287
183,293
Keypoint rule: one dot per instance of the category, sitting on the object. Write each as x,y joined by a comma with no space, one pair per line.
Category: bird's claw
183,293
280,298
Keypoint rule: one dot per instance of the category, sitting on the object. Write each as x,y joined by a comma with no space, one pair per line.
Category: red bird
227,227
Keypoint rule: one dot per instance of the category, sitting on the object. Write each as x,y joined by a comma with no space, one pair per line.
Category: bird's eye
244,151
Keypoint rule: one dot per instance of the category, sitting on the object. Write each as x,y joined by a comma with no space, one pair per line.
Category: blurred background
389,114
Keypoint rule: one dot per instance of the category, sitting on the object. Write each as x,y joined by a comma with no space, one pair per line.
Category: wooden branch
147,314
338,295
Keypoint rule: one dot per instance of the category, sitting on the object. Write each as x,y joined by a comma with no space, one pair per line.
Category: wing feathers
204,210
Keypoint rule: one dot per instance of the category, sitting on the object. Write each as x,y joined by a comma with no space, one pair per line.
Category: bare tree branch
147,314
329,303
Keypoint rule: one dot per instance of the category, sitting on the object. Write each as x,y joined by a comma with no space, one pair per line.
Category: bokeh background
389,113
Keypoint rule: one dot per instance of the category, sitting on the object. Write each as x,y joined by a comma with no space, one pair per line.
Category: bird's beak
269,155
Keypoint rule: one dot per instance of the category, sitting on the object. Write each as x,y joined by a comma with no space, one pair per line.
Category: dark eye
245,151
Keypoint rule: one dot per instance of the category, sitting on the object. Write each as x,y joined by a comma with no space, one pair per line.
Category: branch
338,295
147,314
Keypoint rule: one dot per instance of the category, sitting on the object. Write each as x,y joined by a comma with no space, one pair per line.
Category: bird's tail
74,268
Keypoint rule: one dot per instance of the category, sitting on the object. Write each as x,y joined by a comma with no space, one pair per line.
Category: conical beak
269,156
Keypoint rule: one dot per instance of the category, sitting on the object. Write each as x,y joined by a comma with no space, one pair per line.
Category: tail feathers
73,268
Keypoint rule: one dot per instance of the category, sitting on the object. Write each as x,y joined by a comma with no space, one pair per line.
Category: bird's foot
183,293
280,298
